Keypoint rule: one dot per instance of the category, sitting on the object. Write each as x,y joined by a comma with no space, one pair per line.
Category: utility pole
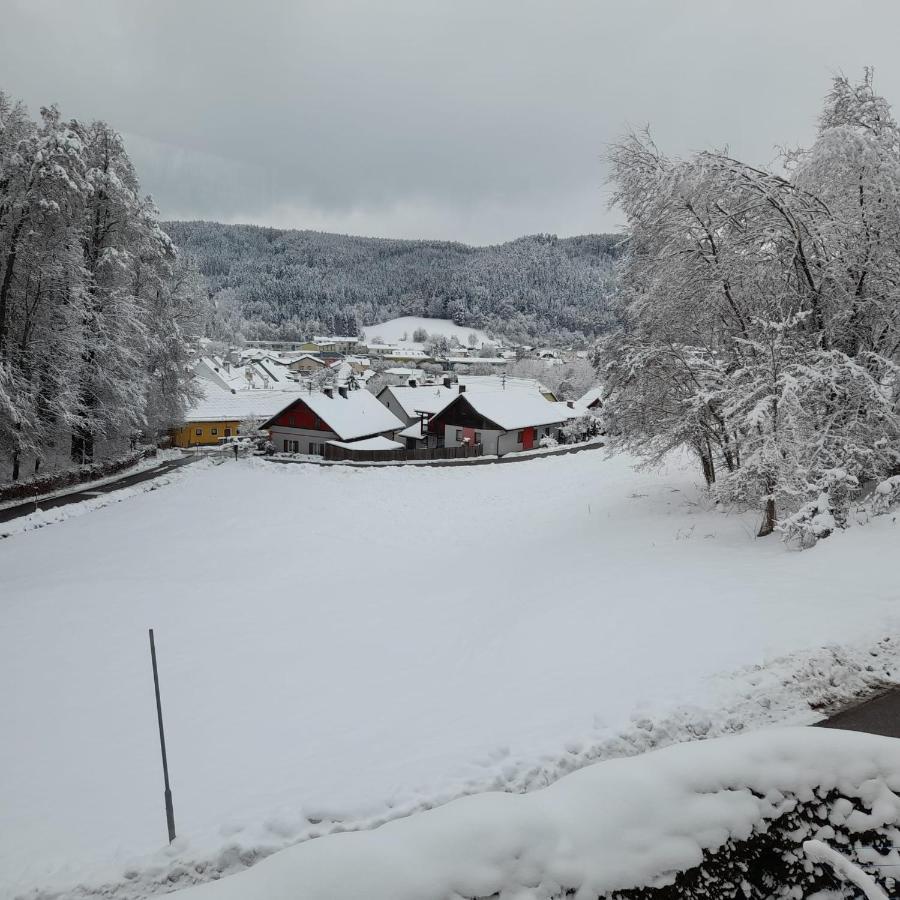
170,813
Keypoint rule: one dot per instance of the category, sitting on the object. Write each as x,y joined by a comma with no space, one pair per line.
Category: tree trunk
769,519
82,446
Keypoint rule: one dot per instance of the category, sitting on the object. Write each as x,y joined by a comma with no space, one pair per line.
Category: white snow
615,825
339,646
375,443
392,331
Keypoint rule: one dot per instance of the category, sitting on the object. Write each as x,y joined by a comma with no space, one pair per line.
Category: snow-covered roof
374,443
357,415
413,431
502,382
592,396
511,410
219,405
425,399
475,360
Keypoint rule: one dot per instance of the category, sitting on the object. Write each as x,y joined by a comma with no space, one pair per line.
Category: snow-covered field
392,332
342,646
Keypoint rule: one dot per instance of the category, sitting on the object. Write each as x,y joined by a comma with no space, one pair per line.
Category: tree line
97,308
758,317
271,284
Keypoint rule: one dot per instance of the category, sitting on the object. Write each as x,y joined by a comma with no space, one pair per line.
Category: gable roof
511,410
217,405
357,415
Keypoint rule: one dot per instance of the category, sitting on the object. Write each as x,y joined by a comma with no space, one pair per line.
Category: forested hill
271,283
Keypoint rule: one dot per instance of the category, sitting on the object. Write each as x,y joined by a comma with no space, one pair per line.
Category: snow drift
612,826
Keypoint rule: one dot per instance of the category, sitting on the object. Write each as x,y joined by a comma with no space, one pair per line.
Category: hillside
272,283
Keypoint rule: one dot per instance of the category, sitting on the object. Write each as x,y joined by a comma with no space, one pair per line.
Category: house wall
204,433
309,440
306,365
500,442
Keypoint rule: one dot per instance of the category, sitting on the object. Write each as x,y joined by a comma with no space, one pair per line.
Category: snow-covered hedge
722,818
54,481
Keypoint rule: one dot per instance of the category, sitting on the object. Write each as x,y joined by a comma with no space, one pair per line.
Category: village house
306,423
307,364
500,421
219,413
336,343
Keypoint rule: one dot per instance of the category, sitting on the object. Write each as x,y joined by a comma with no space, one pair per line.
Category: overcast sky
474,121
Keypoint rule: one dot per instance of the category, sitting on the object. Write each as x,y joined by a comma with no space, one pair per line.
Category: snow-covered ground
392,332
341,646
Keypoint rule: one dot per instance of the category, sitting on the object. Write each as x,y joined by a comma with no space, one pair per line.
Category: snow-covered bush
818,518
548,442
581,429
886,495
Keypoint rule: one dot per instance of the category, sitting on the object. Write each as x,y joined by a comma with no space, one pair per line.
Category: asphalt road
30,506
880,715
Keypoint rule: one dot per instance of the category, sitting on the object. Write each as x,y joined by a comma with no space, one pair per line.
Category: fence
344,454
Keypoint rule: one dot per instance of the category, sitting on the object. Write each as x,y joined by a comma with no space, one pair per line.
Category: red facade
299,415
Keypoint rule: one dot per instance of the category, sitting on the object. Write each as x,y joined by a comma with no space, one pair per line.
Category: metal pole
170,813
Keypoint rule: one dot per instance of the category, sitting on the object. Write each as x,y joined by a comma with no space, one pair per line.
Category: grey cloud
477,121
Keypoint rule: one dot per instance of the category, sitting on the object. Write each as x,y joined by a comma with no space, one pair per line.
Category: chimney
462,388
448,381
570,404
328,392
343,392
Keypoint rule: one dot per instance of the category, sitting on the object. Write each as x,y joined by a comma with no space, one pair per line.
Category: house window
520,437
227,432
459,434
477,437
213,431
287,446
199,432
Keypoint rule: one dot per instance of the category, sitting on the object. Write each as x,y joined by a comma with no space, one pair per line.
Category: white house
501,421
311,419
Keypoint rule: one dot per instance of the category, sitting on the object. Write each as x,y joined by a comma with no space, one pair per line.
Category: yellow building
219,413
201,434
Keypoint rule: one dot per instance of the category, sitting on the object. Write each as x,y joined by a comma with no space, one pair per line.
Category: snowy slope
392,332
339,646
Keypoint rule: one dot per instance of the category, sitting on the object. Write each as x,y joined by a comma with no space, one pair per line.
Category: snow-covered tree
96,308
758,317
